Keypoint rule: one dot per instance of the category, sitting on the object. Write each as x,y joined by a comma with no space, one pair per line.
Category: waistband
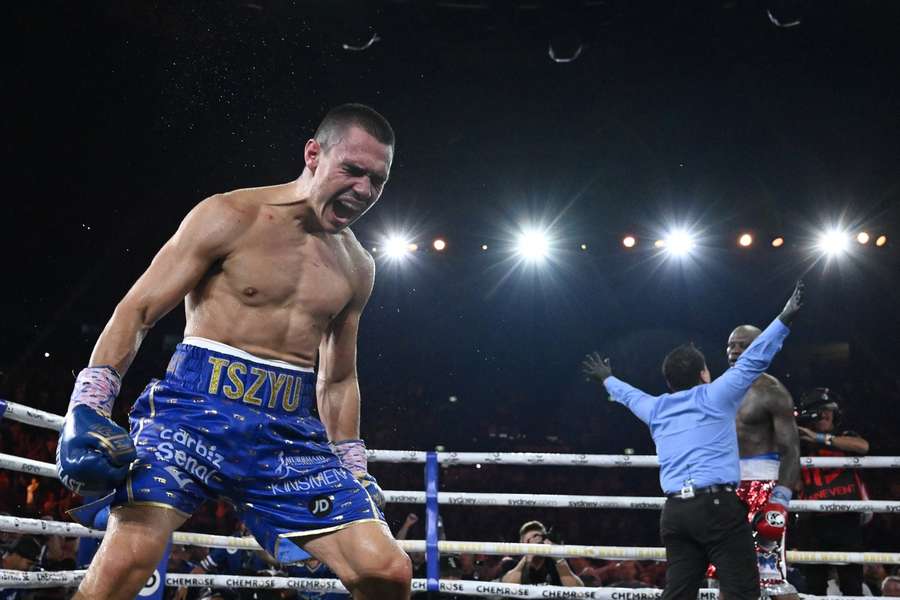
762,467
220,371
201,342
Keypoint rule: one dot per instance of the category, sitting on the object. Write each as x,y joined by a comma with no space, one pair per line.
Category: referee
703,520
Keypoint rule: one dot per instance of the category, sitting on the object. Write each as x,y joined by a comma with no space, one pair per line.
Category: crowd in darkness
388,415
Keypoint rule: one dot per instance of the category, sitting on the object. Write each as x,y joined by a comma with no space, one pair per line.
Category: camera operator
818,416
540,570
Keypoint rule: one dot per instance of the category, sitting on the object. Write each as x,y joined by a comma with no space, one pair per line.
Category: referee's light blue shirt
693,429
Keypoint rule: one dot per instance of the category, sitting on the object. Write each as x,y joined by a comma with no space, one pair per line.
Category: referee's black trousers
708,528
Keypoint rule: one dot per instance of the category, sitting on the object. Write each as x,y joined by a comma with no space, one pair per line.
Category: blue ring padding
2,409
432,556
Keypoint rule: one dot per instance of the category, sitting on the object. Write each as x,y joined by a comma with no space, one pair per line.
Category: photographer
540,570
818,415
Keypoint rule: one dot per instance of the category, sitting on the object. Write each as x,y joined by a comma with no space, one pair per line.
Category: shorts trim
152,403
201,342
302,534
138,503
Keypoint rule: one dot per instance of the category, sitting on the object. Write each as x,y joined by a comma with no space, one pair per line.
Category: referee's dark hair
682,367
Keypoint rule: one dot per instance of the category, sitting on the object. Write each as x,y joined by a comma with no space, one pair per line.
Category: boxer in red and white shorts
770,466
767,513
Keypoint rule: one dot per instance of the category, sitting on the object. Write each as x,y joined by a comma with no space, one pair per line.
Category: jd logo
321,506
152,585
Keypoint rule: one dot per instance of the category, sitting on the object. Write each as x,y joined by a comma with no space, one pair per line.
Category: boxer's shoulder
219,220
768,389
362,262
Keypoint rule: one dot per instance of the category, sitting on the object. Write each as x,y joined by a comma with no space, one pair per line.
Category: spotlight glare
412,247
833,242
397,246
660,243
745,240
778,242
439,244
881,241
862,237
484,247
584,246
628,241
533,245
679,243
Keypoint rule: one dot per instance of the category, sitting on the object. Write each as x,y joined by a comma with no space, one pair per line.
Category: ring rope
26,465
32,580
41,527
39,418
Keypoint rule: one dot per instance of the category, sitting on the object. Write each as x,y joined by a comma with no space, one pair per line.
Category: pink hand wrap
353,456
96,387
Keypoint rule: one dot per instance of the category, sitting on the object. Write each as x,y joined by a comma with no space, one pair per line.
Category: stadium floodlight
679,243
396,246
833,242
628,241
745,240
533,245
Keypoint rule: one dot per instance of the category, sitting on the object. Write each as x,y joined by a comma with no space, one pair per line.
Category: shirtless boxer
272,280
770,465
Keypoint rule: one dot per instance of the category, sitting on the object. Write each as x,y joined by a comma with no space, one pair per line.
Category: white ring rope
31,580
26,465
39,418
551,459
41,527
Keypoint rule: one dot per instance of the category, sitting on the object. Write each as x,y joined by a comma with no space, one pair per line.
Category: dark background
120,118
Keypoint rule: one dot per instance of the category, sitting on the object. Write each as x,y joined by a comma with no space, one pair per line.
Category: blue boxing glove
93,453
353,457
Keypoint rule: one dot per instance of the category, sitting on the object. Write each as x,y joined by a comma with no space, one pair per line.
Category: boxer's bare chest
755,428
291,270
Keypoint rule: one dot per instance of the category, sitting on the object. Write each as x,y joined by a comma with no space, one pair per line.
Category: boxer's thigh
136,537
363,552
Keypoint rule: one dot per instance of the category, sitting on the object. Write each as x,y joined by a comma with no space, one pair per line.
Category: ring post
432,556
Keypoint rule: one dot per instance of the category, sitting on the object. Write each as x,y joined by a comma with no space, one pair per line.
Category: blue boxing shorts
226,424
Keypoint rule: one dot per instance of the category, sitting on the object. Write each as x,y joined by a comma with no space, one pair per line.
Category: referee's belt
690,492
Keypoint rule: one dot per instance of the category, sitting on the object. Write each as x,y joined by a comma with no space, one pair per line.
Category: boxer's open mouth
346,209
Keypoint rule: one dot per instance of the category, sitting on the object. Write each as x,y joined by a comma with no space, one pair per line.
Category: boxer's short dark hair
682,367
340,118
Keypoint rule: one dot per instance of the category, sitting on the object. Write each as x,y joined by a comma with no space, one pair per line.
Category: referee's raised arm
727,391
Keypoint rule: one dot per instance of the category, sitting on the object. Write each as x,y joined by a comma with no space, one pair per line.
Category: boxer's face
348,177
738,341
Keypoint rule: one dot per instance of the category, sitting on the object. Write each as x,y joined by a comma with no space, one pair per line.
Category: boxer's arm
787,439
337,386
206,234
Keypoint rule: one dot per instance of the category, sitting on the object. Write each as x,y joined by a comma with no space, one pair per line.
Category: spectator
540,570
626,575
890,587
23,556
817,417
